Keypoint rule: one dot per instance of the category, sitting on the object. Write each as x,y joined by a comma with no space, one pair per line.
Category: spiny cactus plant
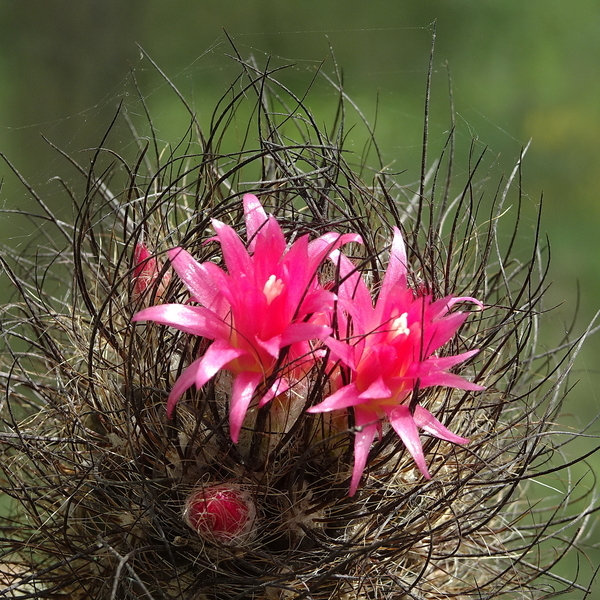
272,373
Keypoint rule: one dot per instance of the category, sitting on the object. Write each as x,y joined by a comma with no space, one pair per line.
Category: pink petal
280,386
426,421
396,268
456,300
255,216
243,390
441,307
236,257
404,425
269,249
377,390
196,277
215,358
318,249
185,381
294,271
379,361
195,320
343,398
446,362
305,294
440,332
353,286
342,351
299,332
366,424
449,380
272,346
318,301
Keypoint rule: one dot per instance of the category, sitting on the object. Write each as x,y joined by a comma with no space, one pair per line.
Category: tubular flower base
222,382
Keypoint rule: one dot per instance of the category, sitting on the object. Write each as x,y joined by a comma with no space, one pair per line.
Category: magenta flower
262,313
389,351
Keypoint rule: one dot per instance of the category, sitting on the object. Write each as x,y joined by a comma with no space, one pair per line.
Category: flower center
399,326
272,288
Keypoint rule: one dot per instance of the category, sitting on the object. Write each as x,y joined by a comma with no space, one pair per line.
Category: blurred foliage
518,70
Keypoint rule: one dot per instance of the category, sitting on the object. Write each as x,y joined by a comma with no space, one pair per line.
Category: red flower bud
222,513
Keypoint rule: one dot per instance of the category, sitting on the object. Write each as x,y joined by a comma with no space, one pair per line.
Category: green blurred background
520,70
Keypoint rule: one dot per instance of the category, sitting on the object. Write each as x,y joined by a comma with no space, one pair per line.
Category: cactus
113,497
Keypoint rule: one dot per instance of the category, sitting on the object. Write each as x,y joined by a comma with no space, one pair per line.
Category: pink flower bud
221,513
146,271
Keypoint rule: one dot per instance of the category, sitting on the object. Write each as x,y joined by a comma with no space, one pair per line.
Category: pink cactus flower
222,513
146,271
389,352
262,313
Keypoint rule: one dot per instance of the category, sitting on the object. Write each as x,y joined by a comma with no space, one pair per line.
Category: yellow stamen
272,288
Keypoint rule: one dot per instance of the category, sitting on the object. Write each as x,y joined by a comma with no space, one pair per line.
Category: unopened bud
224,513
146,271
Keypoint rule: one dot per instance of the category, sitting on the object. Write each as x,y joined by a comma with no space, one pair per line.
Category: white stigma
272,288
399,326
